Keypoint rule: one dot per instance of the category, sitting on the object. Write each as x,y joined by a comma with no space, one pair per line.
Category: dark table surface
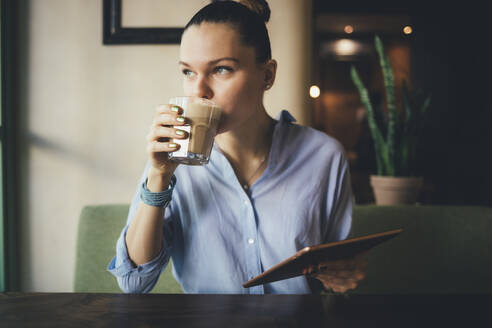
160,310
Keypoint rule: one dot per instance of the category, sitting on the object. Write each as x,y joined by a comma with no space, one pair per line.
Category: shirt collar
285,117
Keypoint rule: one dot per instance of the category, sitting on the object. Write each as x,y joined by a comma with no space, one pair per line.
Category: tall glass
202,119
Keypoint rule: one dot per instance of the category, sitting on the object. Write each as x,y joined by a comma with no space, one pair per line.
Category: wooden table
160,310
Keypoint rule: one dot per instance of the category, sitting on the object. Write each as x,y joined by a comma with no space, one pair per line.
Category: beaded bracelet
158,199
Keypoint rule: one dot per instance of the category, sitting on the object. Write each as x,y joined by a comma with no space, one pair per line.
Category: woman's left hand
339,276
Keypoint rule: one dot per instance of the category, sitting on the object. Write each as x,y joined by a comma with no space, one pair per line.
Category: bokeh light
407,30
314,91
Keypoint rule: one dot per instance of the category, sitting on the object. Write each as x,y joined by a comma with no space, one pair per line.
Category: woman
271,187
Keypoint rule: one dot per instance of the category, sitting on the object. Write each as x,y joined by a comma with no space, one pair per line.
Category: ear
269,72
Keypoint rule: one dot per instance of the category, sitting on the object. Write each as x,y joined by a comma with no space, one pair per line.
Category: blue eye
187,73
223,70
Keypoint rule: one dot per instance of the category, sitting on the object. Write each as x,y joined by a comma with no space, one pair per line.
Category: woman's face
218,67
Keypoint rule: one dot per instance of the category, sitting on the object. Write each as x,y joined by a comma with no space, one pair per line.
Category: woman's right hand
165,126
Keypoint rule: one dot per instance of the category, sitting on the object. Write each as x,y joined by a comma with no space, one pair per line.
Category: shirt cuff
121,264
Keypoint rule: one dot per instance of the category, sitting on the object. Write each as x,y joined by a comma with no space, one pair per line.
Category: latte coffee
202,119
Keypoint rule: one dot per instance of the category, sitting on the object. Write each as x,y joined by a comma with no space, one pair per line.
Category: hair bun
260,7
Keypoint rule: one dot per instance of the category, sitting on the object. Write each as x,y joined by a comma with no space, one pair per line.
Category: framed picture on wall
147,21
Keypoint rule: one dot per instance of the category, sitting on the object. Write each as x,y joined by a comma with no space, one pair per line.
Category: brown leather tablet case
293,266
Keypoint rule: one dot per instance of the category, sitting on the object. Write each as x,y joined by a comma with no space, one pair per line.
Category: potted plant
396,139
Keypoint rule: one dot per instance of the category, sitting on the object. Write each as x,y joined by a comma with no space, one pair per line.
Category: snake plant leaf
426,105
406,107
396,140
379,143
389,85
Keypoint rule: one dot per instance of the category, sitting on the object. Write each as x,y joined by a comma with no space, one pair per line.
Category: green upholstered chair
99,228
444,249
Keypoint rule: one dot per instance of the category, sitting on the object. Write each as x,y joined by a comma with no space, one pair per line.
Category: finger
355,274
336,288
169,119
168,108
156,147
307,271
339,281
328,285
336,283
350,285
340,289
180,134
321,277
310,272
160,132
351,274
345,286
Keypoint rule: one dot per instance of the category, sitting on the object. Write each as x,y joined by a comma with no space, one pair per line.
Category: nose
202,88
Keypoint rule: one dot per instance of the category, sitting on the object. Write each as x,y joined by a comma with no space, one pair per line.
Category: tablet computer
313,255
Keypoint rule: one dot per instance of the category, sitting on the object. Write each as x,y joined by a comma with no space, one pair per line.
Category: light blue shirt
220,235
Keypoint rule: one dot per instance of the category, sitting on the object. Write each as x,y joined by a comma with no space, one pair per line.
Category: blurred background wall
84,110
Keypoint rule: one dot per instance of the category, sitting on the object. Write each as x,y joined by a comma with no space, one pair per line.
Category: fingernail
175,109
180,119
180,133
173,145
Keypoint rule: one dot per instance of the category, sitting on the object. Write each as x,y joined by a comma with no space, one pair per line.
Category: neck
250,141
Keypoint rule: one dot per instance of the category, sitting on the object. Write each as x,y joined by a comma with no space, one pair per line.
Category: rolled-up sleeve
140,278
136,279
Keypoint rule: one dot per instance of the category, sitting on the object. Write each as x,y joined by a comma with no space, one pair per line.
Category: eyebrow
215,61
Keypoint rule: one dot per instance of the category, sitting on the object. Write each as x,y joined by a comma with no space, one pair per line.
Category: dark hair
248,20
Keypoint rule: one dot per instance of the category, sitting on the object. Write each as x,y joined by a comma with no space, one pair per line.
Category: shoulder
314,137
292,133
307,140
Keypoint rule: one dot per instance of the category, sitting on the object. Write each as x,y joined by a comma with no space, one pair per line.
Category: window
2,239
7,150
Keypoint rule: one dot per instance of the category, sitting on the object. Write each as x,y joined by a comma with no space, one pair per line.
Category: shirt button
245,202
251,240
